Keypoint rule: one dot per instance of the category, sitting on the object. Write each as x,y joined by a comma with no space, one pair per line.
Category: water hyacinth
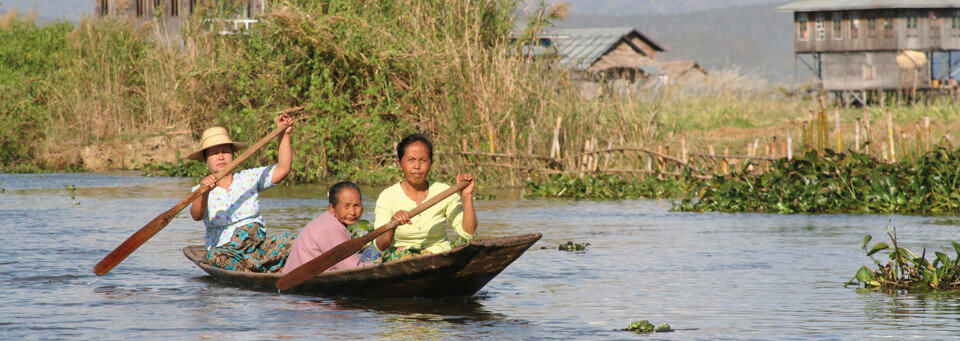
606,186
645,326
838,182
571,246
906,270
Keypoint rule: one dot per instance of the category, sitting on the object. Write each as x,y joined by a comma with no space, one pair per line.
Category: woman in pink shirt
329,229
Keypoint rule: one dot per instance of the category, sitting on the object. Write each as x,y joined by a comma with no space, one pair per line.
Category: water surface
712,275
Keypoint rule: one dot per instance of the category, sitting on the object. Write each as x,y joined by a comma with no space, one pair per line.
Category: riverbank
104,95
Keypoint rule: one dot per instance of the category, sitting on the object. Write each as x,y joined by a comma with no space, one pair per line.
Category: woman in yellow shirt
426,232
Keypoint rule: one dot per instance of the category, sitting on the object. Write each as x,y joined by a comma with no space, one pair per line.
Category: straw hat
214,137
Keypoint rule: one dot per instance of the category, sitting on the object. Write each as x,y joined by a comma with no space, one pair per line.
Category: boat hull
459,272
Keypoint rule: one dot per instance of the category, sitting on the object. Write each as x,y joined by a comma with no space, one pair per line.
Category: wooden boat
459,272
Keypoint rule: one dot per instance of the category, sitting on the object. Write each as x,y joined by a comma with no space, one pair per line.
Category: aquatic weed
571,246
906,270
359,229
645,326
607,186
72,189
838,182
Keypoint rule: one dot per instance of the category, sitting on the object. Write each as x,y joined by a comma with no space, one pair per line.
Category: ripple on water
716,275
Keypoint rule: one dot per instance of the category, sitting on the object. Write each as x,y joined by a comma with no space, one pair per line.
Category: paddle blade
134,242
323,262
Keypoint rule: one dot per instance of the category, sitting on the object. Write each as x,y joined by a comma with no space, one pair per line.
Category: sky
73,10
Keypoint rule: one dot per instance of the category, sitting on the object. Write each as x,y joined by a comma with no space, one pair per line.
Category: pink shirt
320,235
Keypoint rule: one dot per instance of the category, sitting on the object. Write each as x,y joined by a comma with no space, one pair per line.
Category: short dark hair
334,195
410,139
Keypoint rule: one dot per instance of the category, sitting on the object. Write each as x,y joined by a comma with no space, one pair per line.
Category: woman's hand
285,120
209,181
467,191
402,216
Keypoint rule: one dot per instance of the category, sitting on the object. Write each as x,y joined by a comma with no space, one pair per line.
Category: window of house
139,5
911,16
871,24
802,27
888,24
818,27
104,8
174,8
868,73
955,23
192,4
837,19
854,25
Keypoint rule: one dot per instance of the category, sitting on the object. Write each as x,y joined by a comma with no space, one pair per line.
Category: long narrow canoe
459,272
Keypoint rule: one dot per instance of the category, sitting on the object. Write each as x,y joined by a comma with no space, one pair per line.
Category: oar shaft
150,229
340,252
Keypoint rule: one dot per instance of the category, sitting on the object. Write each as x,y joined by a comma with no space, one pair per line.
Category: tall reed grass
368,73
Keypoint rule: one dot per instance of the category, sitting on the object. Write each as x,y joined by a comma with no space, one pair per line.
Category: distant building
677,69
173,14
856,46
600,53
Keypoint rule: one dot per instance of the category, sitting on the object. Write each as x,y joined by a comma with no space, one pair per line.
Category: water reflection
457,310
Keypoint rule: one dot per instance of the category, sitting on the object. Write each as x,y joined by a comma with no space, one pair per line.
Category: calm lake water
710,275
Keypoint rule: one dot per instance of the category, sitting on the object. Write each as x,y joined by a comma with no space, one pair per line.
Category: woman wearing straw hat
236,236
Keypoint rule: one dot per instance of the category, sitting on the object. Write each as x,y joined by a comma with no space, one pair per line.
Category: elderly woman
424,233
329,229
236,233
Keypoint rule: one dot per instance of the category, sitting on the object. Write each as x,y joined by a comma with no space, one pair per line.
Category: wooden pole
836,129
789,146
866,132
856,136
726,151
683,149
555,146
893,154
515,151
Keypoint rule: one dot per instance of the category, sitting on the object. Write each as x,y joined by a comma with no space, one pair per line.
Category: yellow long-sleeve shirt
426,230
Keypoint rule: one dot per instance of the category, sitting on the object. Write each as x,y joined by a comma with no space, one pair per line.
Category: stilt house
862,47
172,14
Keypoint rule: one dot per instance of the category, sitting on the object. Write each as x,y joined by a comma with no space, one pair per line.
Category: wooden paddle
161,221
330,258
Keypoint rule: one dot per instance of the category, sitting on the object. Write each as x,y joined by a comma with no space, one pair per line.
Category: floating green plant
479,196
459,241
361,228
645,326
838,182
72,189
181,168
906,270
571,246
606,186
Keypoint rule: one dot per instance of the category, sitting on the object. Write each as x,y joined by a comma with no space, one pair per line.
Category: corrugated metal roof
833,5
580,48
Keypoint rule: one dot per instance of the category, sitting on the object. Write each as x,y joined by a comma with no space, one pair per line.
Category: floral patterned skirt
394,253
250,250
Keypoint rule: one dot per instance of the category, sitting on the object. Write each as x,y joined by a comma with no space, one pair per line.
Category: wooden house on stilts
169,17
864,50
